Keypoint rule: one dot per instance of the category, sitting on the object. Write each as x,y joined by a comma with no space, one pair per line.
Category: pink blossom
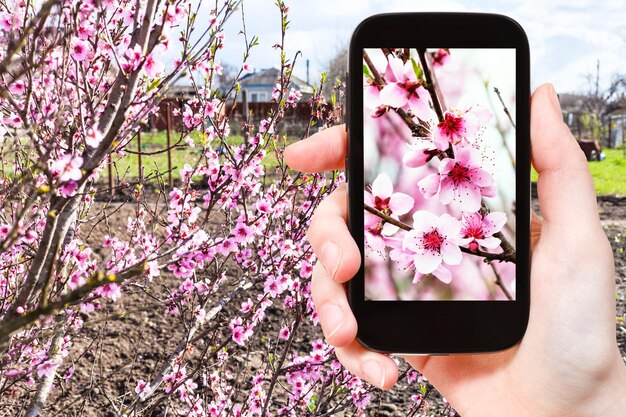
306,269
478,229
112,291
210,108
93,137
10,21
459,126
284,333
411,377
47,368
246,306
371,95
13,373
81,50
67,168
17,87
294,96
266,126
404,89
385,200
132,58
420,154
440,57
68,189
68,374
239,335
247,67
263,206
460,181
85,30
142,387
434,242
242,233
152,67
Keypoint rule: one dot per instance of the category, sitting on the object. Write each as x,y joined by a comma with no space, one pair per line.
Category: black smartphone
438,175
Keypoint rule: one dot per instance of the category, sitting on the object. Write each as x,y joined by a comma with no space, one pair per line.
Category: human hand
568,362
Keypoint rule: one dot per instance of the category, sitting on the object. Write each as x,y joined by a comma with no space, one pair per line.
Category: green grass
609,175
152,142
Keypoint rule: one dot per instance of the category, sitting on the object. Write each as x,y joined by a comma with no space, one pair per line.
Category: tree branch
506,110
500,284
45,383
507,255
417,129
430,84
98,279
182,345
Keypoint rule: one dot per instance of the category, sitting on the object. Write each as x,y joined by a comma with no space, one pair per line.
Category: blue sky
566,36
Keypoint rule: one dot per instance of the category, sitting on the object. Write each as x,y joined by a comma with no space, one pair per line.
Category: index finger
323,151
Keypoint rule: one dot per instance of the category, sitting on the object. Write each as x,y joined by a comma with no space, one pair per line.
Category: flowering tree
436,217
224,245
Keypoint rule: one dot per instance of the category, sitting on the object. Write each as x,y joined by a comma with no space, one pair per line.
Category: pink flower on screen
371,98
459,126
81,50
460,182
433,242
421,152
403,89
385,200
440,57
478,230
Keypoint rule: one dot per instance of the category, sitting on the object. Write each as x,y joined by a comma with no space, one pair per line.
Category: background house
258,85
617,128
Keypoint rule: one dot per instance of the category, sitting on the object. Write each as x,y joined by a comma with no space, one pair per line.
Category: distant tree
598,102
228,74
336,67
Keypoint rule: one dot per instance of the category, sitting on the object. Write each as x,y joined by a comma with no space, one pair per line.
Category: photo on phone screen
439,173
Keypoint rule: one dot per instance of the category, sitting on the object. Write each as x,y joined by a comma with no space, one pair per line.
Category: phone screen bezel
440,327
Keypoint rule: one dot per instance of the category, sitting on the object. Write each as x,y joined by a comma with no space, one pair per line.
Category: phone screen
439,173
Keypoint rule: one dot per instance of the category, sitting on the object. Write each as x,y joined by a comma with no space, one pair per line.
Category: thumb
565,188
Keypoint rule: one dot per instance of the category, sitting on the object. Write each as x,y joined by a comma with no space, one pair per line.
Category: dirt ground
127,341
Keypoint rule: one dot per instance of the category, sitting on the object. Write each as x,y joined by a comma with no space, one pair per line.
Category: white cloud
566,36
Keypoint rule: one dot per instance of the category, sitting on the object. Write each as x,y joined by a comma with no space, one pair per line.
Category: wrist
607,398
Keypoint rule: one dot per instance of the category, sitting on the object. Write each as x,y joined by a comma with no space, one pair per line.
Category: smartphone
438,172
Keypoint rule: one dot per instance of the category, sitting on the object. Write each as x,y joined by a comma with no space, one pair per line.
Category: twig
386,218
98,279
417,129
430,84
500,130
279,365
183,343
500,284
506,110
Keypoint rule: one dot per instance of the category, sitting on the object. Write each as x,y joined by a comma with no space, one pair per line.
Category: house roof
268,77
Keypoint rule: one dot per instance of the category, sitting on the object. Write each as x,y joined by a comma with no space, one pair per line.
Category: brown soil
132,338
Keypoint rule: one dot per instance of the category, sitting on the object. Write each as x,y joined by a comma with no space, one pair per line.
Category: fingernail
330,257
374,373
555,99
332,316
